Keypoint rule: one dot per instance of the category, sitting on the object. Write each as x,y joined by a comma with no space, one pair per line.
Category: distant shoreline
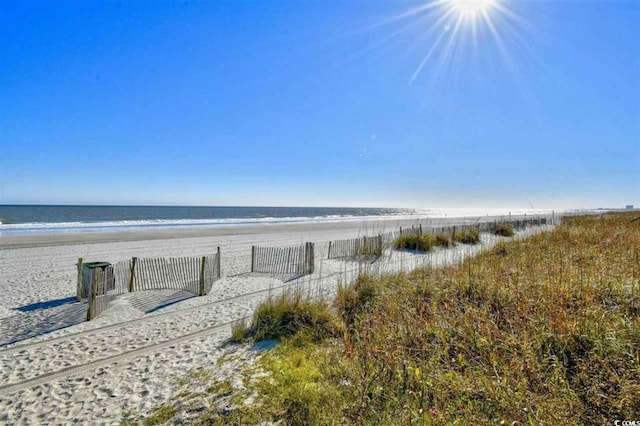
16,220
370,225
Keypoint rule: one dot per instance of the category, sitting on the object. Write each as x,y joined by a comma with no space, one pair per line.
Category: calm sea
28,219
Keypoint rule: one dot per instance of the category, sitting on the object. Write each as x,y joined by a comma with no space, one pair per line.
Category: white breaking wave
175,223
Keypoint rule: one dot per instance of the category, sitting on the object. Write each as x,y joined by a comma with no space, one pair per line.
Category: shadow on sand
41,318
46,305
154,300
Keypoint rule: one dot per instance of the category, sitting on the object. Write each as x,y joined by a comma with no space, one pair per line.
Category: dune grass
544,330
423,242
426,242
470,236
504,229
287,315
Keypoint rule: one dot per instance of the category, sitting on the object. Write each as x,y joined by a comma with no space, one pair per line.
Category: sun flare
471,8
454,32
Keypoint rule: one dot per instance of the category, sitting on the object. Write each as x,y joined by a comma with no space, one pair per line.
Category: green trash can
88,270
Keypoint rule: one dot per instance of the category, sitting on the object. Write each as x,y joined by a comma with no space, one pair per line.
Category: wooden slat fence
452,230
518,224
293,260
487,226
363,247
212,271
101,286
177,273
412,230
193,274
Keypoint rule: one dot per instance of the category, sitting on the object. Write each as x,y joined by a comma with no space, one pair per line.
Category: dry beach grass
544,330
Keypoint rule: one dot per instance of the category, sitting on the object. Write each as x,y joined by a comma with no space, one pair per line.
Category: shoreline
90,237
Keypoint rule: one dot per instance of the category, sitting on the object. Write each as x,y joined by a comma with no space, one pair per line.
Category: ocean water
32,219
47,219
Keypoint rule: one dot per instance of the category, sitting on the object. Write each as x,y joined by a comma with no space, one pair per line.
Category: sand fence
196,274
101,283
293,260
363,247
372,247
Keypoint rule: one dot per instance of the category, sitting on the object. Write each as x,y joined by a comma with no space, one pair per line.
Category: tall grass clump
443,240
426,242
286,315
544,330
369,249
504,229
353,300
470,236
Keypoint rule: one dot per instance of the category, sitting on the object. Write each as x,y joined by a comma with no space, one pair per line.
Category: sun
454,31
471,8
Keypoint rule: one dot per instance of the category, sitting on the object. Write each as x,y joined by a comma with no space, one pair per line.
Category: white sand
62,369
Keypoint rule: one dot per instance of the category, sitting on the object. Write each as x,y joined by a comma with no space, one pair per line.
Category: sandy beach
59,368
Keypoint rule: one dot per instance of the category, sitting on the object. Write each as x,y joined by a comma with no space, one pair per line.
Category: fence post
253,256
308,258
218,264
305,268
311,258
287,268
329,251
133,273
79,284
420,229
91,309
202,293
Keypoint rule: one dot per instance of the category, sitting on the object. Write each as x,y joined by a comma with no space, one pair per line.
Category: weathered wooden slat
151,274
183,271
79,283
140,274
154,273
218,263
144,274
170,272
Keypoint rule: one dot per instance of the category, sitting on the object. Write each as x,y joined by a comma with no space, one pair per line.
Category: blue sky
320,103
